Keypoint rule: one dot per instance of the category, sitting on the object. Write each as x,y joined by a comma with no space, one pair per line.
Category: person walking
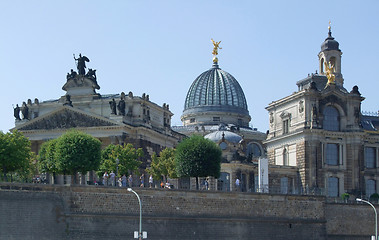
105,178
123,180
142,180
151,181
130,181
112,178
237,184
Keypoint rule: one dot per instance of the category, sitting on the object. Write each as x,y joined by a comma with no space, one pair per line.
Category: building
320,133
112,118
216,108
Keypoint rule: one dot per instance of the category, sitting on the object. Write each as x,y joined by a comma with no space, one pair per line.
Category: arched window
322,65
253,150
331,119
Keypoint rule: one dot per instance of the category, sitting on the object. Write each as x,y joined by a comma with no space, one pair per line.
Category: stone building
216,108
112,118
319,133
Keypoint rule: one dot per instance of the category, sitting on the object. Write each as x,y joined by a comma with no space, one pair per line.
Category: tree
15,154
47,161
126,154
163,165
76,152
198,157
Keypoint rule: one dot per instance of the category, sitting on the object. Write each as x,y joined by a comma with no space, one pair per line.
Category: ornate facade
113,118
320,133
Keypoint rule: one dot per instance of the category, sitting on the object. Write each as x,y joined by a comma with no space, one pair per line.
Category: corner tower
331,54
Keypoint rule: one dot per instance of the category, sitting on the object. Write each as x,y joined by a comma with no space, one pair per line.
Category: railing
369,113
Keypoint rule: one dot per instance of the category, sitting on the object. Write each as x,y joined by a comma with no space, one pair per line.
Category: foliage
345,197
198,157
126,154
163,165
374,197
15,154
47,161
76,152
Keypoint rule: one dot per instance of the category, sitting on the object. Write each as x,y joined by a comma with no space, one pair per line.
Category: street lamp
376,215
117,162
140,214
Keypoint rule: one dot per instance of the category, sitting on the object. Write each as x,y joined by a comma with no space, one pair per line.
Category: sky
160,47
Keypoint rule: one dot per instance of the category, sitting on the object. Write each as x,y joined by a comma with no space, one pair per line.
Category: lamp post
376,215
117,162
140,214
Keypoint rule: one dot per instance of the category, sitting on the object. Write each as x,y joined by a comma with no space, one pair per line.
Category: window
370,187
285,126
333,190
332,154
370,157
322,65
253,150
216,119
331,119
223,145
284,185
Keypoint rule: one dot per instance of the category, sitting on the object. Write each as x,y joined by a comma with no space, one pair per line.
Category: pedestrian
162,184
105,178
123,180
130,181
119,182
206,184
151,181
142,180
112,178
237,184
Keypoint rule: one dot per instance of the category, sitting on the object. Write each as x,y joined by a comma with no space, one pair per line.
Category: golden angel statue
329,69
216,47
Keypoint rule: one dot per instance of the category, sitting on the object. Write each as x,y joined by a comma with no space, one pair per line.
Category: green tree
77,152
198,157
127,156
47,161
163,165
15,154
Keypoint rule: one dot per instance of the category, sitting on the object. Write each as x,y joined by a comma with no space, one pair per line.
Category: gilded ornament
215,50
329,69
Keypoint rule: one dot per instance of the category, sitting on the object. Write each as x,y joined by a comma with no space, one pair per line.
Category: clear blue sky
160,47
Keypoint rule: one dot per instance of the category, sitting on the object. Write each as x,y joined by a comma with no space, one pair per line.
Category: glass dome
215,90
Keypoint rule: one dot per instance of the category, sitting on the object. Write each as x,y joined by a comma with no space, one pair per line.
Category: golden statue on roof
329,69
215,50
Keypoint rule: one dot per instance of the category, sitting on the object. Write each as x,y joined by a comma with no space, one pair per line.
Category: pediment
66,118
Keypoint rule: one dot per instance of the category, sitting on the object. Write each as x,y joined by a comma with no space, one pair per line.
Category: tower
331,54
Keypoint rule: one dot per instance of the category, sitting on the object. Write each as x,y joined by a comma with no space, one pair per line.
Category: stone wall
90,212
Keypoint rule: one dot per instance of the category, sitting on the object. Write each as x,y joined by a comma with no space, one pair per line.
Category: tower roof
330,43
